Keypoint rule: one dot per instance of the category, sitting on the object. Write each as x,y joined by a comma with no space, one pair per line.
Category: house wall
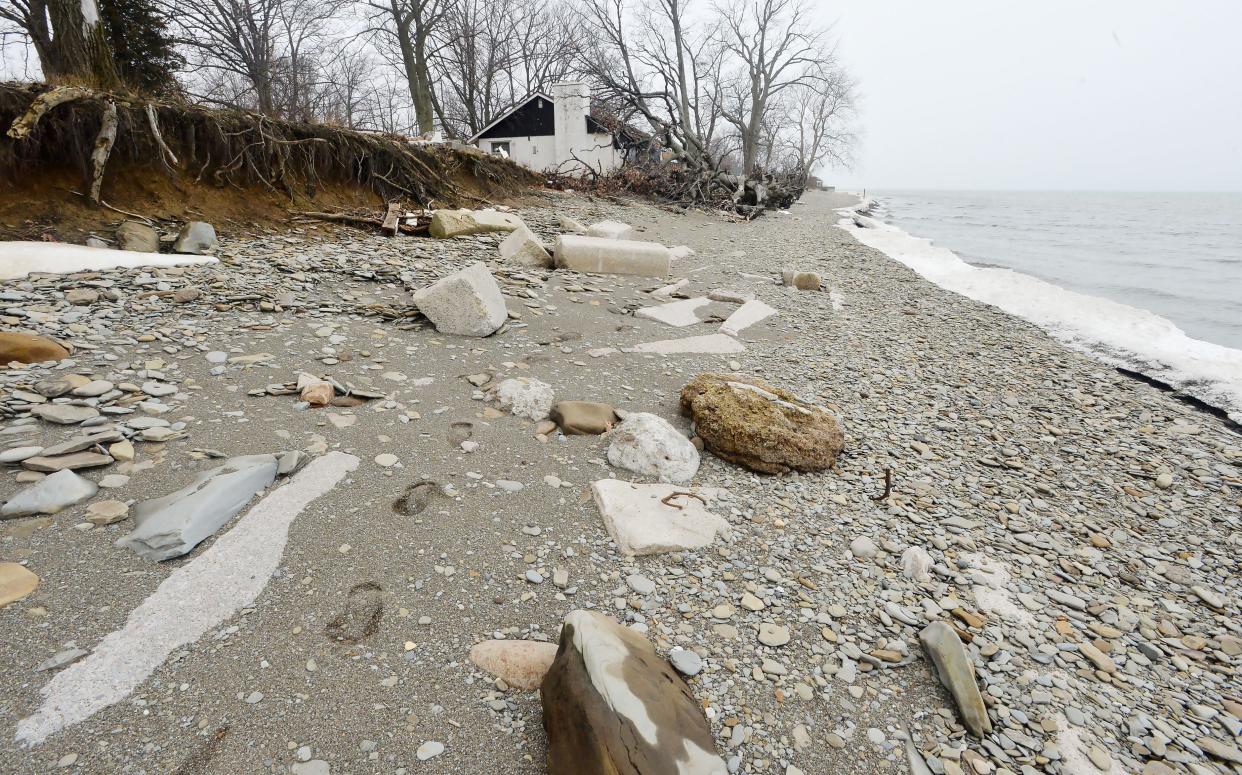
538,153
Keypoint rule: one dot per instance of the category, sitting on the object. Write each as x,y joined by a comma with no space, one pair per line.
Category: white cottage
558,131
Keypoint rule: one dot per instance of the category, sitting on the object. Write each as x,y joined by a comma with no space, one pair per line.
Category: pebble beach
1078,529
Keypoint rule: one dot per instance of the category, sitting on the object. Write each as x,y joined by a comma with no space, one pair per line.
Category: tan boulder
520,663
583,418
25,347
803,281
15,582
612,705
749,422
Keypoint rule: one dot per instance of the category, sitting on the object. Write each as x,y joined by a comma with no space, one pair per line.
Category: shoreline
1131,339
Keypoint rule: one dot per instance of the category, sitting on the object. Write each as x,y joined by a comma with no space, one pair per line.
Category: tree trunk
421,90
81,44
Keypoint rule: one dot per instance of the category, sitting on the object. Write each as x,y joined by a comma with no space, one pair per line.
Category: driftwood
392,219
166,154
49,99
362,220
103,149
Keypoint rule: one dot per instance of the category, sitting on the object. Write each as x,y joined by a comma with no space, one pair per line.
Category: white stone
429,750
611,230
197,238
670,289
18,454
746,316
525,397
608,256
677,313
457,223
640,523
680,252
709,344
916,564
467,302
523,248
649,445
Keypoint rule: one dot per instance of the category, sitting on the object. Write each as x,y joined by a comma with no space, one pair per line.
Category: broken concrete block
668,290
680,252
173,525
138,237
803,281
197,238
649,445
572,224
458,223
746,316
640,521
466,303
677,313
523,248
609,256
612,705
717,344
611,230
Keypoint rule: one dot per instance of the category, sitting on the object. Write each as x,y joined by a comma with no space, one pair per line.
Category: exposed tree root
103,148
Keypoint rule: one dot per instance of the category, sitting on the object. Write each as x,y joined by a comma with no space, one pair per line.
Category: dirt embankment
172,161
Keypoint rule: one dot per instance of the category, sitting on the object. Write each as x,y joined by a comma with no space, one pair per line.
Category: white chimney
571,102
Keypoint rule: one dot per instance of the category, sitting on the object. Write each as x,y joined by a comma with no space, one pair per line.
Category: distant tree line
750,86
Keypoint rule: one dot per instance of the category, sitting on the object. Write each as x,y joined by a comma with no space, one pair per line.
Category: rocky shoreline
1076,529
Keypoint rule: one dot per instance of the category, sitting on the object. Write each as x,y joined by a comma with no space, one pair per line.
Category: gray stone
50,494
196,238
61,659
173,525
955,671
138,237
686,662
466,303
65,414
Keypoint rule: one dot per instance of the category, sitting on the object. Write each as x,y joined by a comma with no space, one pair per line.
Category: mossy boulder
768,429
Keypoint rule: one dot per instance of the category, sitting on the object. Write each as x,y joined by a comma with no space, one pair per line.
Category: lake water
1149,281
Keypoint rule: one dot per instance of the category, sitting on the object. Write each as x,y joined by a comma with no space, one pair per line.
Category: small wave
1115,333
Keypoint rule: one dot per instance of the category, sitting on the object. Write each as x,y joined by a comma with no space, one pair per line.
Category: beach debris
523,248
196,238
610,256
461,223
801,279
16,582
954,669
677,313
765,428
521,664
525,397
173,525
612,704
583,418
649,445
656,518
709,344
50,495
467,302
25,347
745,316
611,230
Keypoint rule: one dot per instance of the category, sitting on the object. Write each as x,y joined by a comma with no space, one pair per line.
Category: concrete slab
722,344
746,316
611,256
641,523
677,313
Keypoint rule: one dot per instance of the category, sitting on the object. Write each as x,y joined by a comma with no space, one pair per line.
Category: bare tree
235,41
403,29
69,38
774,46
820,112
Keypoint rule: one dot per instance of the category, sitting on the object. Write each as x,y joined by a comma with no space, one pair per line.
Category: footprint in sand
363,610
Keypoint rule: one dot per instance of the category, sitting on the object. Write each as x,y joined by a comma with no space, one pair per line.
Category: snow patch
1115,333
18,259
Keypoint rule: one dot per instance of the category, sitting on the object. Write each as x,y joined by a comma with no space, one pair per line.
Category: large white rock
523,248
648,444
173,525
457,223
50,494
467,302
525,397
676,313
641,523
611,230
611,256
746,316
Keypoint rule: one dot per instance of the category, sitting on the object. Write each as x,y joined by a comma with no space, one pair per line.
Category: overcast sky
1045,94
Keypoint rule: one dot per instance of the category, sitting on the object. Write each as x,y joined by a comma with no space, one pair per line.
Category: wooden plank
391,219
